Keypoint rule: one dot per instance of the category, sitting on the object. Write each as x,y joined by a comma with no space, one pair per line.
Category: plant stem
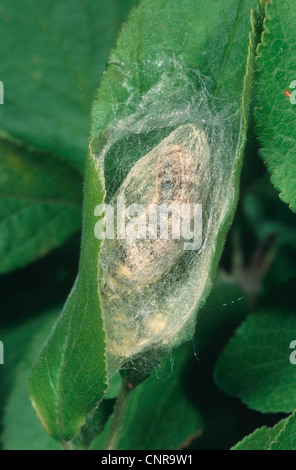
119,415
67,445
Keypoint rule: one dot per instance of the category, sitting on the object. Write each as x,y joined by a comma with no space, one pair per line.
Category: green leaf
40,204
164,55
286,439
157,31
160,415
21,428
276,114
280,437
16,341
50,69
262,438
255,365
69,377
